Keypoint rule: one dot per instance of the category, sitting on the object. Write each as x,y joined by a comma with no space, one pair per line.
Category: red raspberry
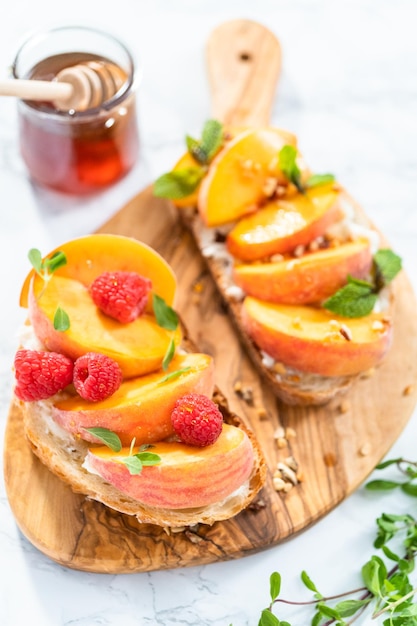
121,295
196,420
96,376
40,374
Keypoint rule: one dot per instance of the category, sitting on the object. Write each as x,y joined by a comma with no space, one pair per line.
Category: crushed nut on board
365,449
344,406
287,475
262,413
246,393
407,391
282,443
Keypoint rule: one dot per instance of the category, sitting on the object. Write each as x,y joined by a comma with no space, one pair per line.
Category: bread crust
290,386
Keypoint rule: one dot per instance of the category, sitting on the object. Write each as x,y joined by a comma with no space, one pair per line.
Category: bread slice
289,385
64,456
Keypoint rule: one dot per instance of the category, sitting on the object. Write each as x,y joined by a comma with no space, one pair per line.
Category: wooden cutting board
335,446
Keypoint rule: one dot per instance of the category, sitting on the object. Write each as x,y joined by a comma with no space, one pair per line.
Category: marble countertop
348,90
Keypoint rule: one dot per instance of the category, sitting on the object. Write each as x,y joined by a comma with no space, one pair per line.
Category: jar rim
117,98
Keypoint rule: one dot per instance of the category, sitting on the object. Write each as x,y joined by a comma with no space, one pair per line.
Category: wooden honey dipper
78,87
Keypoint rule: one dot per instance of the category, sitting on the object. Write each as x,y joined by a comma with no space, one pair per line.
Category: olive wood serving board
336,445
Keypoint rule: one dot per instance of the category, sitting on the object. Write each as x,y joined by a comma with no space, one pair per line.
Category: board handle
244,64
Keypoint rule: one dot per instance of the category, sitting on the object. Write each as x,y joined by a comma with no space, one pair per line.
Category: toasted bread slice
290,385
64,456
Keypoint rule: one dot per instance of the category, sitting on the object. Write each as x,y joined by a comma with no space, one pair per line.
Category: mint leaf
106,436
211,138
211,141
287,163
356,299
387,266
165,315
133,464
319,179
178,183
136,462
61,320
196,150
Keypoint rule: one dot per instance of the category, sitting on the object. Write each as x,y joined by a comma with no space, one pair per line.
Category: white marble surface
349,91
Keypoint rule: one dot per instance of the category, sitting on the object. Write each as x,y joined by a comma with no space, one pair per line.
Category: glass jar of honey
78,150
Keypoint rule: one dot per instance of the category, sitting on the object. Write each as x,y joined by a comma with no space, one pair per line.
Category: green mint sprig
181,183
387,588
358,297
45,268
287,163
133,462
178,184
166,318
106,436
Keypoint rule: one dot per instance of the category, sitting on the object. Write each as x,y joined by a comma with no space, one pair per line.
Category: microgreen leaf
356,299
47,266
174,374
165,315
381,485
178,184
169,355
269,619
61,320
319,179
106,436
274,585
309,584
287,163
35,258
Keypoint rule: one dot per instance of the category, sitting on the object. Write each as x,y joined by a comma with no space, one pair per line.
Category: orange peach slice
141,408
139,347
314,340
310,278
90,256
186,477
235,183
283,225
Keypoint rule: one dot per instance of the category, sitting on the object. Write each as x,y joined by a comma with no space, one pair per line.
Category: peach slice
316,341
186,477
310,278
187,160
283,225
235,183
141,408
90,256
139,347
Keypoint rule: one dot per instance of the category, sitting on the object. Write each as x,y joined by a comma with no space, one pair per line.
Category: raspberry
121,295
196,420
96,376
40,374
